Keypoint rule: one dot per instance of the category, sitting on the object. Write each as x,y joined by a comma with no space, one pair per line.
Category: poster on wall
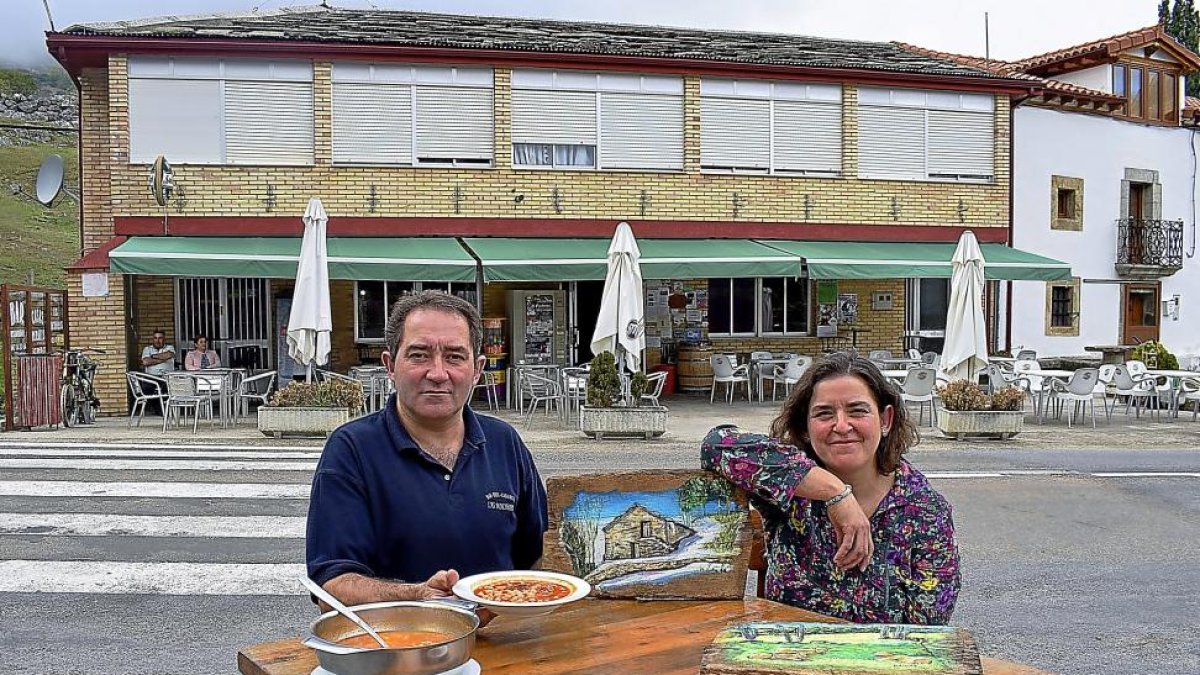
847,308
827,303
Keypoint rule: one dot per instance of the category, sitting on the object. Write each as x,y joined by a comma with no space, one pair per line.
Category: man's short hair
435,300
159,332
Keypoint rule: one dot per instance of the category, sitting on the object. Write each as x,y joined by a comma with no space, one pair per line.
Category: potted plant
1155,355
310,408
607,414
967,410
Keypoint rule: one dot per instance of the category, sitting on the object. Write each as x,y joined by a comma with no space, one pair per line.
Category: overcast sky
1018,28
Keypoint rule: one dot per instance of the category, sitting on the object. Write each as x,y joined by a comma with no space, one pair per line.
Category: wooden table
627,637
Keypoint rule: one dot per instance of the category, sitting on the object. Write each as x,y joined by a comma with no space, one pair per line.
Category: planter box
278,422
1000,424
647,422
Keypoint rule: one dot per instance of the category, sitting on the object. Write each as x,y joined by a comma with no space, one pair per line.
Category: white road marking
150,446
155,465
64,488
1146,474
963,474
99,525
161,453
167,578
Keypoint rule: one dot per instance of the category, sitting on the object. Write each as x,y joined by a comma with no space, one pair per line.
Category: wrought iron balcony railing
1156,243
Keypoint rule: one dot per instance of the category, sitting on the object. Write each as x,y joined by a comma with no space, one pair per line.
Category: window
764,306
220,111
1150,94
374,300
412,115
1066,203
1119,75
1062,308
1135,92
1066,207
615,121
1167,105
647,529
922,135
763,127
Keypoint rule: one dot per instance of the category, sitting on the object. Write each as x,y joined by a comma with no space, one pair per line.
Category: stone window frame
1147,176
1057,185
1076,306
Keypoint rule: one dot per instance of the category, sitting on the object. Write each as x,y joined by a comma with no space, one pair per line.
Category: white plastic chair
1189,388
762,371
789,374
879,355
727,372
1035,385
1106,389
1162,385
1079,390
998,379
654,387
1137,390
145,388
918,388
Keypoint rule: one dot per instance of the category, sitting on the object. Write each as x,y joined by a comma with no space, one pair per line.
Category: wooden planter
647,422
960,424
278,422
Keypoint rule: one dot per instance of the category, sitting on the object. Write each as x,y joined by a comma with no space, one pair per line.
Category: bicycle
77,396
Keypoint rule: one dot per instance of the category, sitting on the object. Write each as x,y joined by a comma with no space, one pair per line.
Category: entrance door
587,308
928,302
235,315
1141,313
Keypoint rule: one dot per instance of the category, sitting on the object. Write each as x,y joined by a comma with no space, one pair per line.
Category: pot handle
456,602
314,642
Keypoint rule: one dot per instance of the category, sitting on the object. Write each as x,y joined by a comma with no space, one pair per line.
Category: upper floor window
226,111
1151,94
412,115
770,127
916,135
574,120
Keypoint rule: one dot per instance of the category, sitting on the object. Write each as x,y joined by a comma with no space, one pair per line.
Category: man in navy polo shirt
406,499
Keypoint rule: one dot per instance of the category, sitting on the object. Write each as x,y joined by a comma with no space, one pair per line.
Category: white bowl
465,589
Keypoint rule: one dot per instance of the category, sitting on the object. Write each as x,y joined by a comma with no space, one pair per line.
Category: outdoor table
1053,374
896,375
773,361
223,384
901,361
1174,377
629,637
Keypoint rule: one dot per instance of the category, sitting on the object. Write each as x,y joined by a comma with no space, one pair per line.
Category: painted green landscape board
794,648
649,534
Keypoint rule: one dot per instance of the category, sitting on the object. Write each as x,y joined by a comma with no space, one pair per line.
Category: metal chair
726,371
918,388
330,376
654,387
543,390
487,382
256,388
1080,389
145,388
182,395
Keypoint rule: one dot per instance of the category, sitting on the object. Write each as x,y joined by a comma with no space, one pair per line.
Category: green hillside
34,238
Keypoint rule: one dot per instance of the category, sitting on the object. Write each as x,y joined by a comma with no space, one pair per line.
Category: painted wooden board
650,534
796,648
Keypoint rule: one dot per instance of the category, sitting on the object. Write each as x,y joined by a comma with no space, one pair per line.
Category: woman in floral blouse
852,529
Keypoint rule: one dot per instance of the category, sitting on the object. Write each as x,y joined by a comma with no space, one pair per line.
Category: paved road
1066,565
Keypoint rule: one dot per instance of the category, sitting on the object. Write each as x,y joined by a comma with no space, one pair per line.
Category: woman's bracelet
846,492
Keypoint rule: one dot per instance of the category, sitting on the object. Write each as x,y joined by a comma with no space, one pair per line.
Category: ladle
345,611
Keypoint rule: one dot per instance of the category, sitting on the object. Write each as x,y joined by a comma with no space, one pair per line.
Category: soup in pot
523,590
397,639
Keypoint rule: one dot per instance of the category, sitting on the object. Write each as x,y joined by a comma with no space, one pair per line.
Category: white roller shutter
179,119
454,123
735,133
372,123
641,131
563,117
268,122
891,142
808,136
960,144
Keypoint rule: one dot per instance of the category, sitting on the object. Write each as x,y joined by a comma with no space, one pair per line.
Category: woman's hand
853,530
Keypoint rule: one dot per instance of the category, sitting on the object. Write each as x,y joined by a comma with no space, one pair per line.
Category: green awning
519,259
892,260
360,258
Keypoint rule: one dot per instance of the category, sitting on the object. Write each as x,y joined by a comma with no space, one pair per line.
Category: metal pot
453,619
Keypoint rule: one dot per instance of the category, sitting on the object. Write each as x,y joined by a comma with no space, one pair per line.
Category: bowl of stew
522,592
424,638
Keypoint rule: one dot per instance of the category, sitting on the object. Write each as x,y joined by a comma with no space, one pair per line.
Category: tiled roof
1113,45
1191,108
419,29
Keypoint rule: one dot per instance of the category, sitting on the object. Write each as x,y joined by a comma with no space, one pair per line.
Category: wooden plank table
627,637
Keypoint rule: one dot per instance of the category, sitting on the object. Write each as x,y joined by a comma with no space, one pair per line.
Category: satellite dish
162,180
50,179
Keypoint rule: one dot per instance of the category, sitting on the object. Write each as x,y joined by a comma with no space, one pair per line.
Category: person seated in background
158,358
852,529
201,358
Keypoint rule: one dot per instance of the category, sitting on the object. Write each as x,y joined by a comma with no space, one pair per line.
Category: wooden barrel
695,369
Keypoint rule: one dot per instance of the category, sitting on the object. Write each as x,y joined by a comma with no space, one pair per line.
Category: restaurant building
788,193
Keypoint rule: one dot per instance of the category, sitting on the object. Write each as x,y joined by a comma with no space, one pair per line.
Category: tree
1181,22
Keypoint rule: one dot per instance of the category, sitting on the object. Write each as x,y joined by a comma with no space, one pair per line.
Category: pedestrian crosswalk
140,519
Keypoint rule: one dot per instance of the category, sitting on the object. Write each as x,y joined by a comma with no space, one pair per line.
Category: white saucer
469,668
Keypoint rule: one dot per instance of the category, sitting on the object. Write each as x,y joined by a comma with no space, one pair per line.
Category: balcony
1149,249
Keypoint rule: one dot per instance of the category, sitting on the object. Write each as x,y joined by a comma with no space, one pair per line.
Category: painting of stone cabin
649,534
642,533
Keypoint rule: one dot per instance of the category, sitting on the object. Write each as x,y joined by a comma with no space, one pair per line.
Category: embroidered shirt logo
501,501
